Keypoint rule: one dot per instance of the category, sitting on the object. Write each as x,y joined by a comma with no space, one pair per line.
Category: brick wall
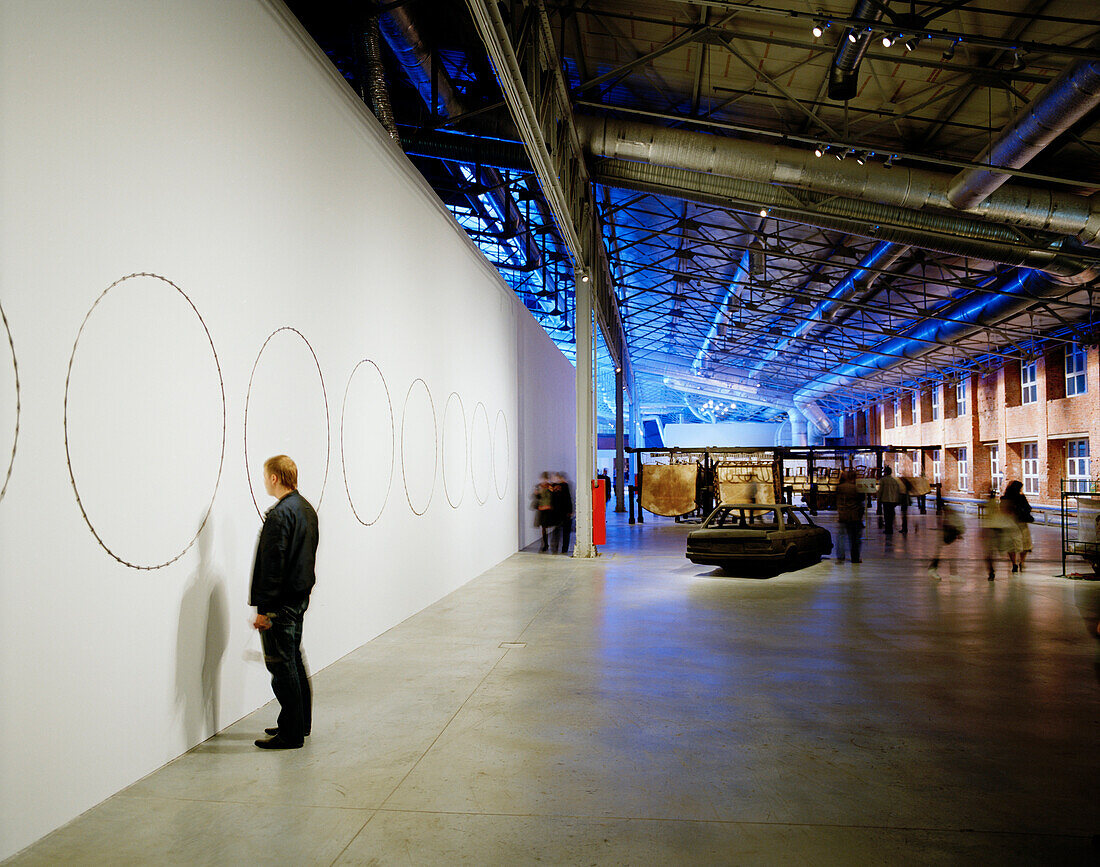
997,416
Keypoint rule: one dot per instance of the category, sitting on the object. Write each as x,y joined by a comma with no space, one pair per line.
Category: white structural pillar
586,420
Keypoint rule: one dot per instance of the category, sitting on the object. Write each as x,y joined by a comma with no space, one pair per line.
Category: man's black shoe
274,730
276,742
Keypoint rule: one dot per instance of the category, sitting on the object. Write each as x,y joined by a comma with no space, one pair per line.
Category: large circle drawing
413,427
285,414
16,396
502,451
362,463
137,470
451,456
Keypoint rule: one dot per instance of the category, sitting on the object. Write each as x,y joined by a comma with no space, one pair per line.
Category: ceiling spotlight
819,29
584,278
949,51
889,164
861,157
852,37
763,212
887,40
819,150
840,155
911,43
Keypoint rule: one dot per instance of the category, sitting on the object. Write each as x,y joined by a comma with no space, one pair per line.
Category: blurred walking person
849,511
889,495
561,499
951,529
1015,505
542,503
998,533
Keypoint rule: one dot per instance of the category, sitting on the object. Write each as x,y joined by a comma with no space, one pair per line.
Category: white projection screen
211,254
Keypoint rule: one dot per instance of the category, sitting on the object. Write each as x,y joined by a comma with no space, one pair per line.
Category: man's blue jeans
282,646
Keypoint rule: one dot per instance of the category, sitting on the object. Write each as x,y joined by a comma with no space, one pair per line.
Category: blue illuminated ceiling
731,310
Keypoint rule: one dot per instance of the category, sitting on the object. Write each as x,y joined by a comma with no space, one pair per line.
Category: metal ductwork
377,91
771,164
966,315
1061,104
844,72
949,234
882,256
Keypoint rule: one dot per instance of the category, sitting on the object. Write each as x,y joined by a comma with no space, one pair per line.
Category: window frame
937,466
996,475
1076,368
936,403
1078,467
1029,467
962,401
1029,386
962,463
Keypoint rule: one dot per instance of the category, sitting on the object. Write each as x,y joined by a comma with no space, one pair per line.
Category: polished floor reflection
637,709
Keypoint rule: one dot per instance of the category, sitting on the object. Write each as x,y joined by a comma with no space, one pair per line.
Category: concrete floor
649,711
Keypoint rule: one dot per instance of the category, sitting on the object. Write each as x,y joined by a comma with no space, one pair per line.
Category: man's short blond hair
285,470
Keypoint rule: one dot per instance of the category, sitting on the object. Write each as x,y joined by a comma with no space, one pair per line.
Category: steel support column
586,420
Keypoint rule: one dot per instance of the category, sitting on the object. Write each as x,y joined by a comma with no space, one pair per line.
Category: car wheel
791,558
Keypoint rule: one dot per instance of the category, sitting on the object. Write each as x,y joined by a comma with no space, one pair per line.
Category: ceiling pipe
1062,103
882,256
967,315
897,187
850,48
376,78
950,234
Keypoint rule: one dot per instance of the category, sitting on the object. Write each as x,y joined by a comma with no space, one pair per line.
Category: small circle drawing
452,457
364,462
415,419
481,453
276,426
502,450
15,390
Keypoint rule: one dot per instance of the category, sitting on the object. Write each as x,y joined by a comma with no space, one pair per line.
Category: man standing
849,511
282,578
889,495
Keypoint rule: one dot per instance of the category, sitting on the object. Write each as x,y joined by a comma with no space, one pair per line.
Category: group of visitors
552,502
1004,522
1004,526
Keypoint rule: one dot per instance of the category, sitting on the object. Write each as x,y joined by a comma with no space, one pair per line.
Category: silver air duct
376,78
844,72
949,234
1061,104
896,187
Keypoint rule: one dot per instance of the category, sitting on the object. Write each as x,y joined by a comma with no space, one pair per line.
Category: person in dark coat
562,505
849,511
1014,504
282,579
542,503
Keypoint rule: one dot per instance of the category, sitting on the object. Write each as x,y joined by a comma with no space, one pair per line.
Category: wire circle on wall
328,422
465,449
18,411
393,450
435,452
473,434
501,417
68,455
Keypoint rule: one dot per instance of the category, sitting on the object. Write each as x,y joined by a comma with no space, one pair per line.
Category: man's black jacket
285,555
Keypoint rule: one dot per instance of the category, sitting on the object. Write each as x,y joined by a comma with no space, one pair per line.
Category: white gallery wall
210,253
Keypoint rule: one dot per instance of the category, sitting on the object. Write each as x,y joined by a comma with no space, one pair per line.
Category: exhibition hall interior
696,398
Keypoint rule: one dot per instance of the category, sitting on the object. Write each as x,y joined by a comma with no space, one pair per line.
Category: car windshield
803,517
746,517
